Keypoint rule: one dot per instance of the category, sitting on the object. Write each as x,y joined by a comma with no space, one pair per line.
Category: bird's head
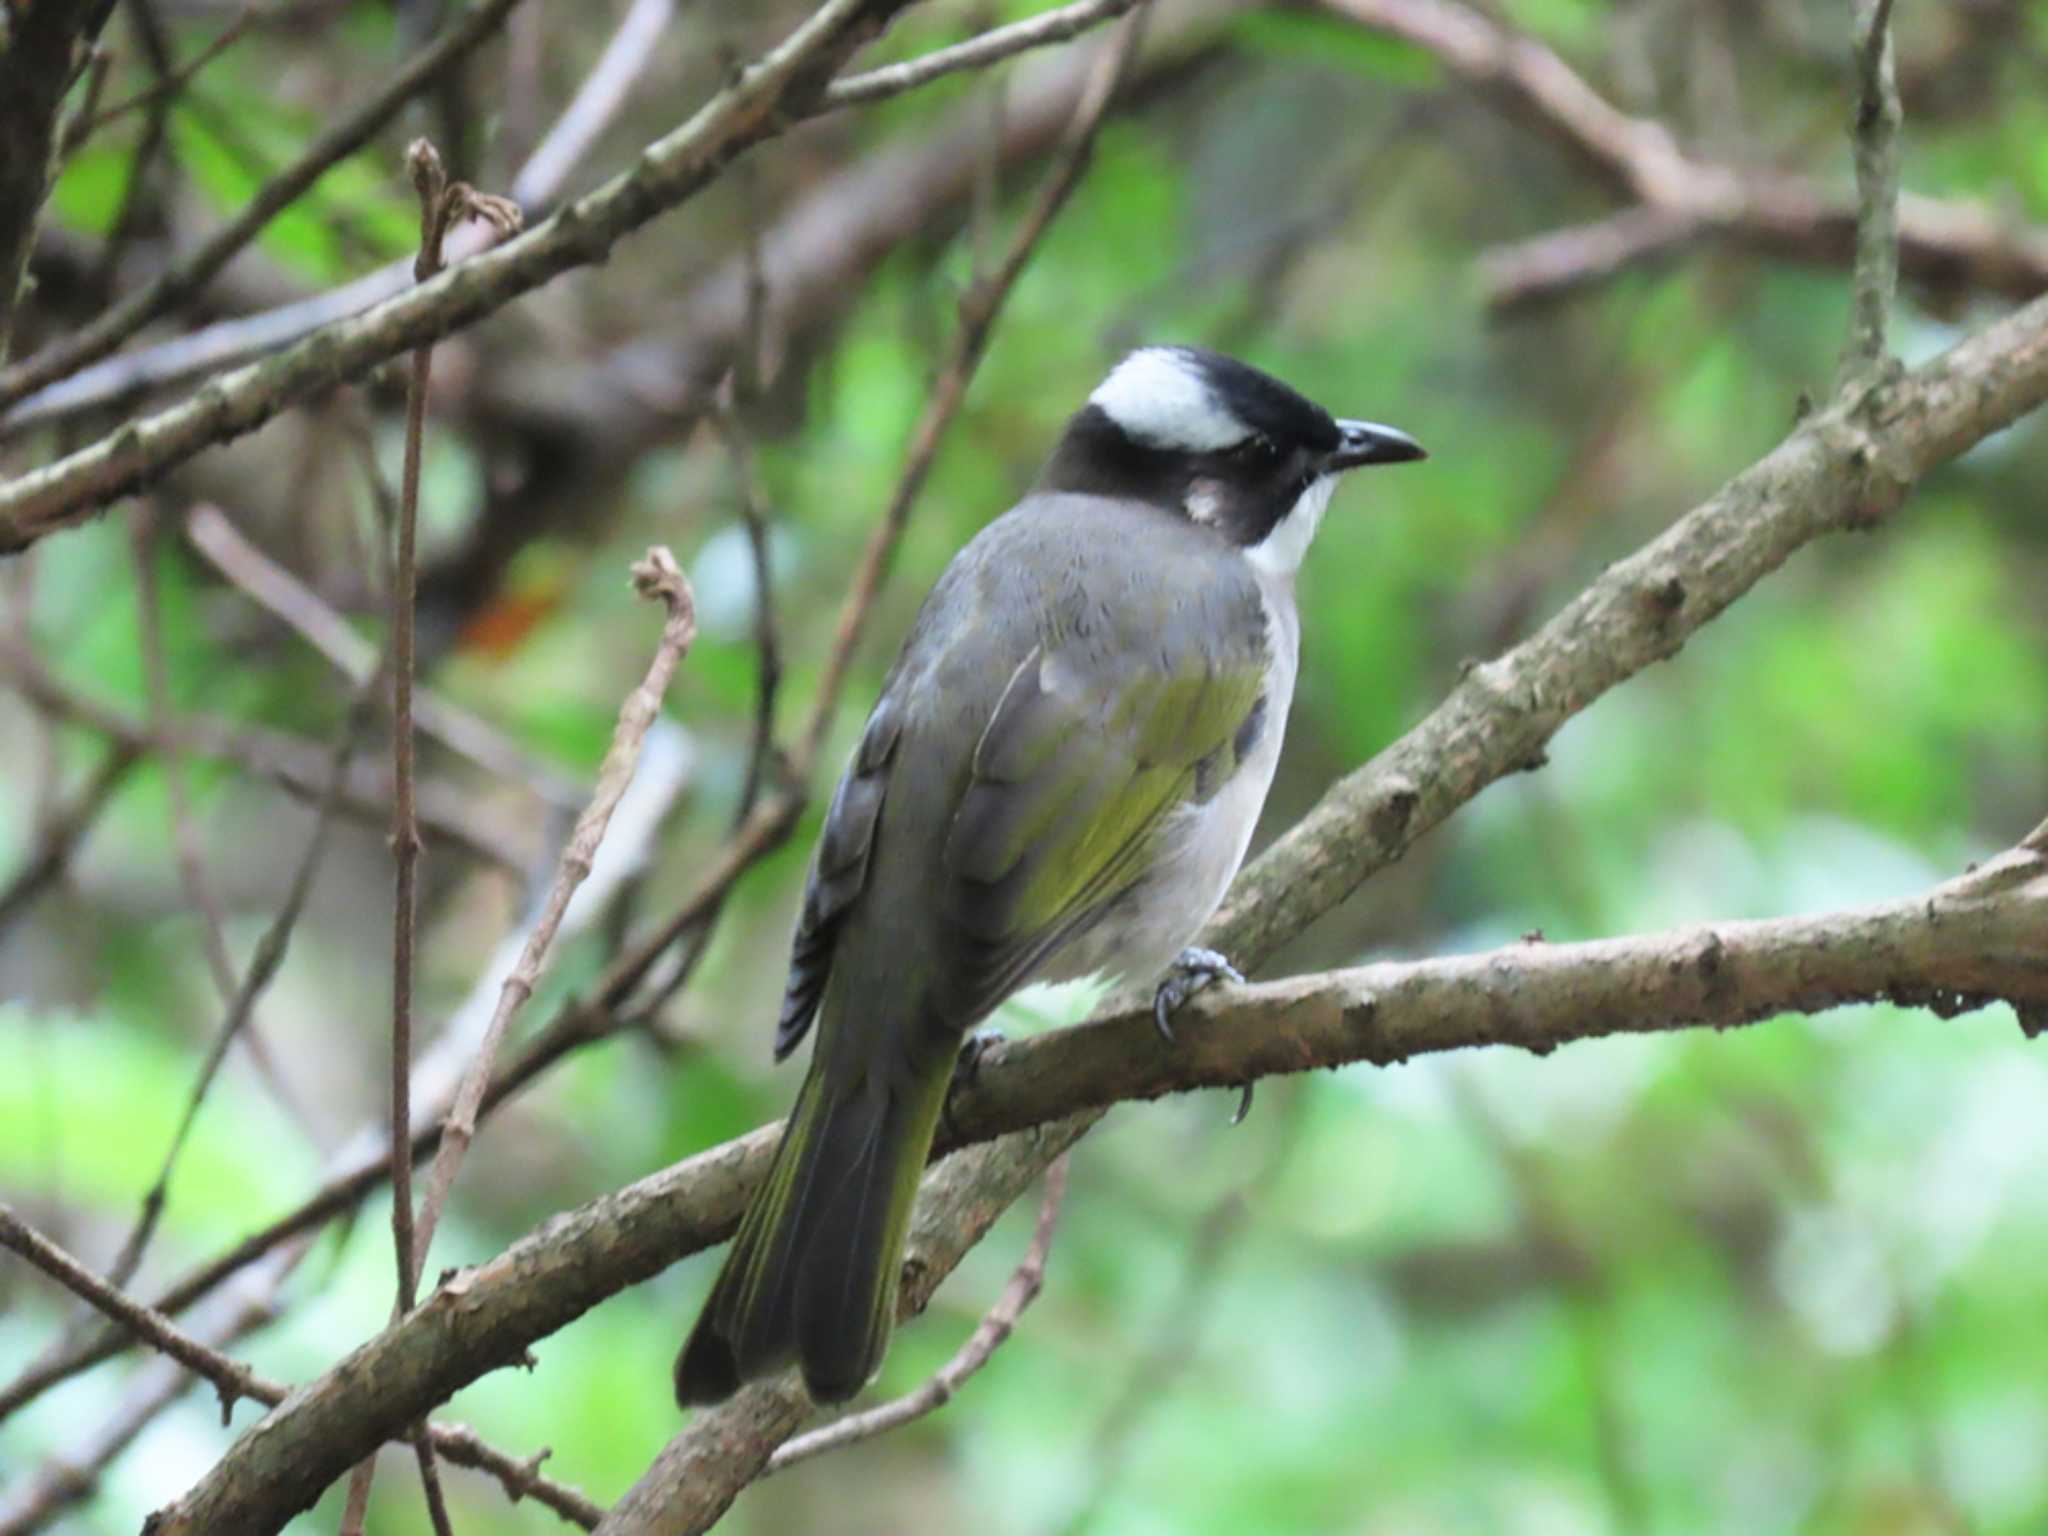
1221,443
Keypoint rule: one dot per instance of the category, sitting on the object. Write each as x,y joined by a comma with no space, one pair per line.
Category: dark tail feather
812,1273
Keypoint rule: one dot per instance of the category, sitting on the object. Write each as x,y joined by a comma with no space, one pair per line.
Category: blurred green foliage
1785,1279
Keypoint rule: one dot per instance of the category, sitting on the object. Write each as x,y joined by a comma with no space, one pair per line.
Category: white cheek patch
1280,552
1158,397
1204,501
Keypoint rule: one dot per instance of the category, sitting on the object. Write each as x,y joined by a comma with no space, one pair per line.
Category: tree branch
1959,946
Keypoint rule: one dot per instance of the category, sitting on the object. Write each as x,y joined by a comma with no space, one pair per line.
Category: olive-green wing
1082,763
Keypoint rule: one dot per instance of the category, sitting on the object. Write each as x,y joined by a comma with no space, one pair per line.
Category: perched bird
1060,779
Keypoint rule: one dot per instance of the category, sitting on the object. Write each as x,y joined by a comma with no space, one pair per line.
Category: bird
1059,780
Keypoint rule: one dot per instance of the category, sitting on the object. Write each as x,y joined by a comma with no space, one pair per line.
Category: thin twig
979,307
440,206
994,1330
659,578
231,1379
437,207
991,47
1874,134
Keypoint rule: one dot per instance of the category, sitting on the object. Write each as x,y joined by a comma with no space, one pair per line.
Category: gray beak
1366,442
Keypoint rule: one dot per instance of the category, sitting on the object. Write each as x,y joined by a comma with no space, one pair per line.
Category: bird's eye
1255,451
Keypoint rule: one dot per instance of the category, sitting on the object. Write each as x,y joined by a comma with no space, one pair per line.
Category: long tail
812,1274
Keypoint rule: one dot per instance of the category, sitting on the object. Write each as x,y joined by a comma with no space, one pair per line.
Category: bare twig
991,47
189,276
992,1333
231,1379
659,578
1874,133
979,307
440,205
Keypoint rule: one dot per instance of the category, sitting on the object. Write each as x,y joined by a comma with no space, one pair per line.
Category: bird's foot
972,1049
1192,970
965,1069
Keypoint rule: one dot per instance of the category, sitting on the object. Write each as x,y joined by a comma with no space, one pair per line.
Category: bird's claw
972,1049
966,1067
1192,970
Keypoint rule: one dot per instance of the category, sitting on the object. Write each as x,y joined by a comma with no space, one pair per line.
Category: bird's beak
1366,442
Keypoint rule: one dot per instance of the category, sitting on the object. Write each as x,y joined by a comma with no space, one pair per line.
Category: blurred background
1781,1279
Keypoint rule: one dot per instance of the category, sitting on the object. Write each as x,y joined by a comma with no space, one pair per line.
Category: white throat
1280,552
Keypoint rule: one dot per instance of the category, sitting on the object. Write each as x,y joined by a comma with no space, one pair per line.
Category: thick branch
1966,944
1956,947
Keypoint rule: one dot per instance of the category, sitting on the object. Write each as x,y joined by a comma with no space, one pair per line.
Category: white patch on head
1280,552
1157,396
